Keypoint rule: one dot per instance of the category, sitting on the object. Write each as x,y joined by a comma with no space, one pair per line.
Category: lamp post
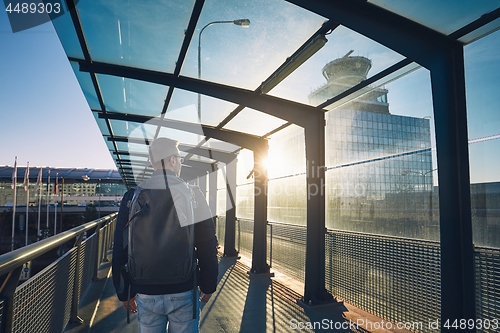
99,213
245,23
85,178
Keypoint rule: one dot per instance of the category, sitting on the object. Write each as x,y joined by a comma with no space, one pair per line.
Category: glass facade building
378,165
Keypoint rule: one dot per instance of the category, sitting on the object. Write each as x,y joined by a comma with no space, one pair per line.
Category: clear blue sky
44,118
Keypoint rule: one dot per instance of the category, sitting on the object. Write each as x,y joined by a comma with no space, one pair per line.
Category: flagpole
27,189
14,185
39,188
55,204
62,204
48,200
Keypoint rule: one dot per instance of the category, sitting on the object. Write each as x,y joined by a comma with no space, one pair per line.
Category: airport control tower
344,73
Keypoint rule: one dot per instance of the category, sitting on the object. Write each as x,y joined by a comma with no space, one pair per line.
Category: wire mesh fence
397,279
44,303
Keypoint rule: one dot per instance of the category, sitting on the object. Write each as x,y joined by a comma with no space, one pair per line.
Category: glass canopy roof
160,76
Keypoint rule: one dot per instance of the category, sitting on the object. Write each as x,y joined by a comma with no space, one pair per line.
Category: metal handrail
11,260
12,263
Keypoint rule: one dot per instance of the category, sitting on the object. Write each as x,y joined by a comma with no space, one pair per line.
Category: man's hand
133,305
204,297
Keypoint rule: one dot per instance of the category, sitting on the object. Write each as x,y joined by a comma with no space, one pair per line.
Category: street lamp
245,23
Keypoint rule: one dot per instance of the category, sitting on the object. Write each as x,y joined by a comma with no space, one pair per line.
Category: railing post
104,248
270,245
229,237
7,293
74,319
97,262
239,234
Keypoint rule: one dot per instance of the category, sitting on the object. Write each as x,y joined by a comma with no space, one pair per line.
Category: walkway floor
243,303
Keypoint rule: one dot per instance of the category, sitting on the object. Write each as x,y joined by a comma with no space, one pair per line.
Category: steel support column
229,236
259,247
457,250
212,192
314,286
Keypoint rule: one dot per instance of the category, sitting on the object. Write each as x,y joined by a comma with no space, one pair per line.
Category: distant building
81,186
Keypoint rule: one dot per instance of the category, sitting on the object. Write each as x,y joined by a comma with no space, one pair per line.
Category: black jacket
206,254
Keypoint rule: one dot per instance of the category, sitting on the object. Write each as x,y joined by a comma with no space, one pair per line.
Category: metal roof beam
414,40
188,36
297,113
75,18
241,139
207,152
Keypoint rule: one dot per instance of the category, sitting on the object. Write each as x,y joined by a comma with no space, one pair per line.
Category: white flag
27,177
14,174
39,180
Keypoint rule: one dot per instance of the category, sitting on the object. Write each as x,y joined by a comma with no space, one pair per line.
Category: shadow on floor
243,302
257,303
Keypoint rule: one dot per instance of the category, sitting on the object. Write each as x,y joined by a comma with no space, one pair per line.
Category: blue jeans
155,312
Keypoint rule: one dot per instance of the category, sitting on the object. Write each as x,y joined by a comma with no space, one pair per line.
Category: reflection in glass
246,57
182,106
131,96
379,165
221,191
87,87
482,73
254,122
133,33
344,45
430,12
245,201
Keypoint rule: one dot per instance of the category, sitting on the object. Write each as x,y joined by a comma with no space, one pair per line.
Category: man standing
167,304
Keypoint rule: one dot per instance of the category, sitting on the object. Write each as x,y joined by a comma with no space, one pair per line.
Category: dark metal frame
442,55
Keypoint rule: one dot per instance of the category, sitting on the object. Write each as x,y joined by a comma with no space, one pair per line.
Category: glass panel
346,59
184,106
87,87
381,176
287,153
181,136
245,201
286,165
198,158
132,96
245,167
101,123
440,15
127,146
221,190
134,158
141,34
371,90
288,200
482,73
110,145
67,35
254,122
481,32
242,57
133,130
221,145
